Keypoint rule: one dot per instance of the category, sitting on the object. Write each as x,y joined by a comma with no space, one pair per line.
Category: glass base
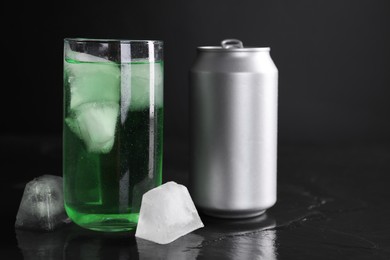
105,222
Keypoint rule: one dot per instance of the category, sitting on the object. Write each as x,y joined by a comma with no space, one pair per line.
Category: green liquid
112,142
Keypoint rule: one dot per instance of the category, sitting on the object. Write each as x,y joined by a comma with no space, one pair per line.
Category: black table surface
333,203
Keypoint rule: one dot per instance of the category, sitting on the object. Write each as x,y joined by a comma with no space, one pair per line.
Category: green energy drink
112,139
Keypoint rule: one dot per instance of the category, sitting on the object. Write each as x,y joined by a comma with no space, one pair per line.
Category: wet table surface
333,203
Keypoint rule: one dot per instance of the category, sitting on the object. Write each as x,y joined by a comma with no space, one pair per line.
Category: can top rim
245,49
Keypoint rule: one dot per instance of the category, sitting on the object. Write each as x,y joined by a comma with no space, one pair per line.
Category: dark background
333,58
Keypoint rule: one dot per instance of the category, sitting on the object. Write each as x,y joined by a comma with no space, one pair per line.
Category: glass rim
96,40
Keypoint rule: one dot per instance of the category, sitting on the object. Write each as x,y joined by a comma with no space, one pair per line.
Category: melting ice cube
146,77
167,213
96,81
95,124
94,86
42,205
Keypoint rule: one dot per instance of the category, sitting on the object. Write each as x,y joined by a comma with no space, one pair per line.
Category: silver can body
233,124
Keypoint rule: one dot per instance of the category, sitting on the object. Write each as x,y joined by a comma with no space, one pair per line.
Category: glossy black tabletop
333,203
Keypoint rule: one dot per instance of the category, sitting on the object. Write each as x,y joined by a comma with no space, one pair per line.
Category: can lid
229,45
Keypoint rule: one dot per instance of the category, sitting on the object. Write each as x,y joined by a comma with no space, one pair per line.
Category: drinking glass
112,129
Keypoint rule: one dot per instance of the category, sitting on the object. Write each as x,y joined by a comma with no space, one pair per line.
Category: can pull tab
231,43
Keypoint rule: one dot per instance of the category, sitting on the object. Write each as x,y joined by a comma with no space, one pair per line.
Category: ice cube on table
42,205
167,213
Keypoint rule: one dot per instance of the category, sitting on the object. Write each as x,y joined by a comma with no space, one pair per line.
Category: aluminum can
233,130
